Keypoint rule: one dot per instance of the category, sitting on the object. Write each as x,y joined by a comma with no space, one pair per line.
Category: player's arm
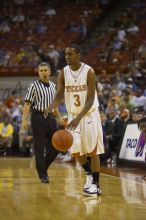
60,119
26,110
59,92
56,113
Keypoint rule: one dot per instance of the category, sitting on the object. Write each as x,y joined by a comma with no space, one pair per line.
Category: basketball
62,140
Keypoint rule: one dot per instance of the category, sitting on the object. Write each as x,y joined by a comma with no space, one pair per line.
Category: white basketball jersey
76,89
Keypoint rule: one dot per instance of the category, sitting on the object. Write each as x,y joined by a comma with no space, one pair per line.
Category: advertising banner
133,146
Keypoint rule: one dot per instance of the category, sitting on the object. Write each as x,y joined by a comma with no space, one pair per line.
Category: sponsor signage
133,146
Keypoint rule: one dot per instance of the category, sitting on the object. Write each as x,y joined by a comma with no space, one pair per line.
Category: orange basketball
62,140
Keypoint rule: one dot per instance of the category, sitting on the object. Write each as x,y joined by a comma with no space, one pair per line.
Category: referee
38,97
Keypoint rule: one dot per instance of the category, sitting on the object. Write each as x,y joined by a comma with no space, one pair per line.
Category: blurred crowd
30,36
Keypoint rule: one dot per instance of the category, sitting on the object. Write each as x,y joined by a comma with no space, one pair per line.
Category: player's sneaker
45,180
93,191
89,181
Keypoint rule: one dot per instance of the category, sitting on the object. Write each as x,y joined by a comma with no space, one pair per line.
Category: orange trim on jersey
93,153
75,77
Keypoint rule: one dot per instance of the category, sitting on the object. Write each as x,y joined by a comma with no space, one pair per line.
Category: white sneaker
93,191
89,180
68,158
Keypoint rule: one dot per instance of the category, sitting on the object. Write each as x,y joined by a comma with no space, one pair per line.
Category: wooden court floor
23,197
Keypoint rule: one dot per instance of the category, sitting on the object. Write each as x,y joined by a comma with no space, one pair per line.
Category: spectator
83,28
20,17
72,27
54,56
121,35
26,142
50,12
142,51
112,103
5,27
133,29
138,100
115,134
6,134
125,102
41,27
125,118
60,45
106,131
16,112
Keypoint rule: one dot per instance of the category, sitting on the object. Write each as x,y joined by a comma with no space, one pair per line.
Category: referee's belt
34,111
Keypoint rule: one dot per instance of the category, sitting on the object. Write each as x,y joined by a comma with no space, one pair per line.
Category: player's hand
46,111
25,124
73,124
62,122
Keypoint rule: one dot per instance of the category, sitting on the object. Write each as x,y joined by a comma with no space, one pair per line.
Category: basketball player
142,125
142,128
77,83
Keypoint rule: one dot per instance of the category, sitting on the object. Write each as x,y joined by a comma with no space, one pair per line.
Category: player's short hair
76,47
44,64
142,120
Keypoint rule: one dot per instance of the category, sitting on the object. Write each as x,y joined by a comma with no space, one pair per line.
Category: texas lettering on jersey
78,88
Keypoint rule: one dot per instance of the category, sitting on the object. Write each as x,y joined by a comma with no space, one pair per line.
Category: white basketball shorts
88,135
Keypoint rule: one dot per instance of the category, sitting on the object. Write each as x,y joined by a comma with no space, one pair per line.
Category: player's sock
96,178
87,168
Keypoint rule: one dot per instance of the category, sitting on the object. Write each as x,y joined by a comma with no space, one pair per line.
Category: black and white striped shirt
40,94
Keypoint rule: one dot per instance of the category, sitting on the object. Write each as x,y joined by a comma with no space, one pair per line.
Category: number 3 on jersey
77,100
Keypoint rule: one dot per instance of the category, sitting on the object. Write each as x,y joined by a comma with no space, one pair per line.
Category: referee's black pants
43,129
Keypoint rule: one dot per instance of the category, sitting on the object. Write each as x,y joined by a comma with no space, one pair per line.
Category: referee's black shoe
45,180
